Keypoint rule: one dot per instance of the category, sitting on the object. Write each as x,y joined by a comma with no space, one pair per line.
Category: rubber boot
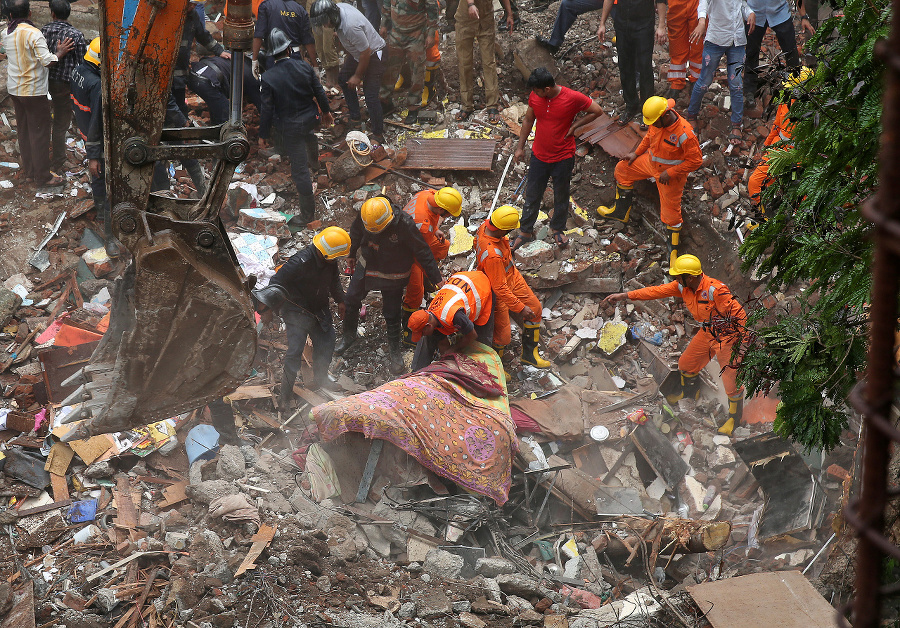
223,420
531,335
412,117
399,84
286,391
690,388
397,367
674,237
326,382
351,322
735,412
405,313
621,211
307,212
501,352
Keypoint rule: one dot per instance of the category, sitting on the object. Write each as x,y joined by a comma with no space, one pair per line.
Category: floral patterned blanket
465,438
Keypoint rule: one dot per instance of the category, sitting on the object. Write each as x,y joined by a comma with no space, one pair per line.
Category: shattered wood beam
686,536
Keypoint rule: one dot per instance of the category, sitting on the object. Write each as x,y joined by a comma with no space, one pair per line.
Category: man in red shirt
554,108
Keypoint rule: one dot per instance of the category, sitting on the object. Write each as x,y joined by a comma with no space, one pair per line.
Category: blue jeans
712,54
539,175
568,11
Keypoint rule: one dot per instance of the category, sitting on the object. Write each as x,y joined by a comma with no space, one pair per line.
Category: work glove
256,68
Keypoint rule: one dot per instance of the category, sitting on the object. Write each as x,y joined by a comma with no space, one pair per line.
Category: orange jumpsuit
712,297
674,149
685,58
427,222
494,259
470,291
781,131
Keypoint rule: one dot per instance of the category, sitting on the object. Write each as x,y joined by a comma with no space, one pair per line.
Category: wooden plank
174,494
39,509
449,154
790,601
60,487
124,561
260,541
250,392
362,494
126,515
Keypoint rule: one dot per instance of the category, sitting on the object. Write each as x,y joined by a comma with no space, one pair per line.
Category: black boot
351,322
405,313
286,391
112,245
621,211
223,420
397,367
307,212
196,172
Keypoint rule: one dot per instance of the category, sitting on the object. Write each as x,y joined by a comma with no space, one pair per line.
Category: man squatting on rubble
299,291
291,92
711,303
388,243
554,109
494,258
427,209
462,311
668,152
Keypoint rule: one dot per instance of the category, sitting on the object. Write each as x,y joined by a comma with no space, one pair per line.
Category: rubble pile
621,503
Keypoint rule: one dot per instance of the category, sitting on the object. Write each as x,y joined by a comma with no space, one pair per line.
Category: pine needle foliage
816,236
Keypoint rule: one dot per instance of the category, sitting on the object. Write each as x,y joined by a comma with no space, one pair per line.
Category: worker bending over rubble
667,153
300,291
461,312
388,243
711,303
428,208
494,258
780,132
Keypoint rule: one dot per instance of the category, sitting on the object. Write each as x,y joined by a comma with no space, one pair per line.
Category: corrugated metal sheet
616,140
449,154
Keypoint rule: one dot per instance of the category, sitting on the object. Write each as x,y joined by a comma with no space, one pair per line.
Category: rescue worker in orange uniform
668,152
428,208
685,58
461,312
710,302
780,132
512,294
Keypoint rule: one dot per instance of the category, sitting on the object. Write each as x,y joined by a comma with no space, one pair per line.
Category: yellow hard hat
93,52
505,218
376,214
797,78
686,265
332,242
449,199
654,107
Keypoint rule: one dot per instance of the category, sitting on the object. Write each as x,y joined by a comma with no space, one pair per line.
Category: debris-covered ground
629,522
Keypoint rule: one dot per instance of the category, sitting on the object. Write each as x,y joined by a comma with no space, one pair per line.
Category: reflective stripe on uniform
379,275
472,287
668,162
783,136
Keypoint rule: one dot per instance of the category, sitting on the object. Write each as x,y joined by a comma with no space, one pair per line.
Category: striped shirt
27,60
54,33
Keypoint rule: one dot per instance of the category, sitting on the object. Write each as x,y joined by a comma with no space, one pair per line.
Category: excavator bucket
182,330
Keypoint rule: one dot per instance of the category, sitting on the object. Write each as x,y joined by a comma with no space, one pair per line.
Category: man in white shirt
27,81
363,63
721,27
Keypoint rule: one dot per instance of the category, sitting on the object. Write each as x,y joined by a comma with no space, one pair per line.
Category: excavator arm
182,329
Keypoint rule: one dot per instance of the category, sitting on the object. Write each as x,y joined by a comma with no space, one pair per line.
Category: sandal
464,115
736,137
493,115
561,239
54,181
522,238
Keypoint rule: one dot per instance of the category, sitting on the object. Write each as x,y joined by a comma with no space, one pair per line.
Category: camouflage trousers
406,48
